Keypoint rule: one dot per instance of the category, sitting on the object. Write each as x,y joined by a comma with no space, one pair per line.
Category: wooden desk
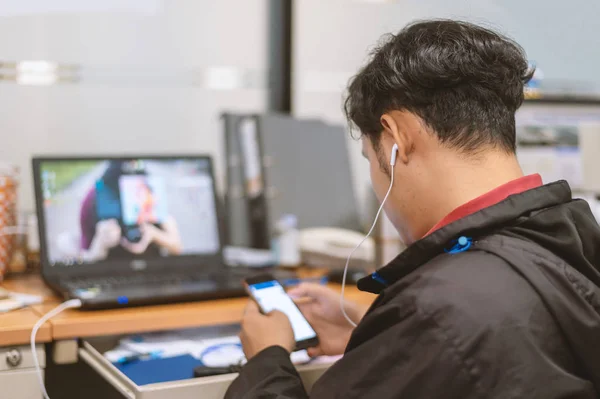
30,284
67,327
16,326
75,323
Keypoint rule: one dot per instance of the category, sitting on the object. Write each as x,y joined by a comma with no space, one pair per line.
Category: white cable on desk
73,303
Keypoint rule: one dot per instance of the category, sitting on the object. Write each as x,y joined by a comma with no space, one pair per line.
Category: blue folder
151,371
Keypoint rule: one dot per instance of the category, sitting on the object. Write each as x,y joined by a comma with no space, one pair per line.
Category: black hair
465,82
114,171
111,175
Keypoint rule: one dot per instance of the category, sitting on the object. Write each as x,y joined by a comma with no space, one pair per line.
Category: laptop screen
127,209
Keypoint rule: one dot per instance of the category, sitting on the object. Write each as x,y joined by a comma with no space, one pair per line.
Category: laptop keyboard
108,283
231,278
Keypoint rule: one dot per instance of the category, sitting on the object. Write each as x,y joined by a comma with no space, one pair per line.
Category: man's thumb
314,352
309,290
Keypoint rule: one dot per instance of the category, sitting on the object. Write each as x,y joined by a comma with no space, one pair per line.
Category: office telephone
330,247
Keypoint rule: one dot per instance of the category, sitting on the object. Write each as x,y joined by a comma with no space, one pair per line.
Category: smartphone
270,295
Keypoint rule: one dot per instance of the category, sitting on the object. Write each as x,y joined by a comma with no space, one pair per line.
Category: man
498,292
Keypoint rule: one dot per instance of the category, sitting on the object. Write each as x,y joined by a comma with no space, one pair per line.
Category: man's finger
314,352
299,291
280,317
277,314
307,290
302,300
251,307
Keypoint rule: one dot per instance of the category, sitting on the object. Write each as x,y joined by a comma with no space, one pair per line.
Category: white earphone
392,163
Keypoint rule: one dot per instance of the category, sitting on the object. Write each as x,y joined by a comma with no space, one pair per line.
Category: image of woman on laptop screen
110,209
124,214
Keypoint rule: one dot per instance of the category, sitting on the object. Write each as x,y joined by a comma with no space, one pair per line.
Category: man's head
446,93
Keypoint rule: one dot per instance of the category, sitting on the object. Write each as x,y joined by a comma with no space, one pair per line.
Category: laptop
130,231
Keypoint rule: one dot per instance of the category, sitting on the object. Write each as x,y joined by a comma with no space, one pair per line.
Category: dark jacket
517,315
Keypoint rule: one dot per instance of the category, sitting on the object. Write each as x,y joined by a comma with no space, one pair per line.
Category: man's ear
395,132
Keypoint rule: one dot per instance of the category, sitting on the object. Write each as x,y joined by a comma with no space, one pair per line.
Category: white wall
331,40
113,109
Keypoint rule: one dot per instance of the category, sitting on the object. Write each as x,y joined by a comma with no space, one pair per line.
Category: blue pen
139,356
295,281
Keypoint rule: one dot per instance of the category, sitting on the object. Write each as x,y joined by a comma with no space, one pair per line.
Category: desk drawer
91,352
20,385
20,357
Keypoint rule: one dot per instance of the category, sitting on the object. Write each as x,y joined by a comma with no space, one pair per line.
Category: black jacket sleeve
399,351
269,374
396,352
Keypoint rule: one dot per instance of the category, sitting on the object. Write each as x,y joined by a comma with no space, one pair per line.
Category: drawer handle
14,358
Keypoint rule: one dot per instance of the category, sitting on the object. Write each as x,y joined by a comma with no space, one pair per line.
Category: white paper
178,343
26,299
16,301
553,163
9,304
252,157
166,348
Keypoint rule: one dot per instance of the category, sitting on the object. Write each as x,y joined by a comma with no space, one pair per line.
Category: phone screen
270,296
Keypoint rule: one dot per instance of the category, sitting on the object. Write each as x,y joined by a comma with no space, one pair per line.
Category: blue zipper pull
462,244
377,277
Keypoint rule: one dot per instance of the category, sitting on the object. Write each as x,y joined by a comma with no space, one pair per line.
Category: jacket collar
478,224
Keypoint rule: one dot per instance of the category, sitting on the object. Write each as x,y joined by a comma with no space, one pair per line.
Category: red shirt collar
490,198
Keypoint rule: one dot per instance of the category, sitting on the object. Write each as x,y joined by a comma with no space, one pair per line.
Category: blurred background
118,76
157,77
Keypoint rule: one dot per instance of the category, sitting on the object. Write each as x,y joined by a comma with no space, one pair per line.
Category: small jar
9,181
18,260
286,243
33,244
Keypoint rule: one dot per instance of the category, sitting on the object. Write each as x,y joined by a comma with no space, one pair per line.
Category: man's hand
321,307
261,331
